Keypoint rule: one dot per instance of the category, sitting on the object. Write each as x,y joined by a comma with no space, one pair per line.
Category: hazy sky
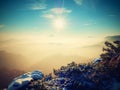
41,28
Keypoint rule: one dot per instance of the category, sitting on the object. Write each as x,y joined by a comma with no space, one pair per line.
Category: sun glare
59,23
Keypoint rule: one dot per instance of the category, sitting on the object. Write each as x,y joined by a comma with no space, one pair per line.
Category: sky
38,29
81,16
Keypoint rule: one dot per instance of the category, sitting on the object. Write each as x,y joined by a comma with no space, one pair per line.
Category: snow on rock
97,60
25,79
36,75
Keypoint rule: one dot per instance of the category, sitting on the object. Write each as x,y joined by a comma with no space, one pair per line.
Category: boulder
25,79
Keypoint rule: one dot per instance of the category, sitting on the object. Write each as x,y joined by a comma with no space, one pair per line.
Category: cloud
1,26
89,23
52,13
91,37
100,45
49,16
39,4
60,10
78,2
112,38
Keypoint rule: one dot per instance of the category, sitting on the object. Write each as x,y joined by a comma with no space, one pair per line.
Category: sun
59,23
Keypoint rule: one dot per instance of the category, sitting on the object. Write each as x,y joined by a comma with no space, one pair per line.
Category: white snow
97,60
24,80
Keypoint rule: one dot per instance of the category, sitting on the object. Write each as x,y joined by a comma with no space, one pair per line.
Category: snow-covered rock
97,60
36,75
25,79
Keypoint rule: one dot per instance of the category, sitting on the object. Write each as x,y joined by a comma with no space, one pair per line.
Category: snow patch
97,60
25,79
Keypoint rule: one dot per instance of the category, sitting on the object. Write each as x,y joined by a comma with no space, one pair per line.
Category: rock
36,75
97,60
25,79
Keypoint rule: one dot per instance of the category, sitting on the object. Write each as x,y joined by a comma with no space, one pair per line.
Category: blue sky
82,16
